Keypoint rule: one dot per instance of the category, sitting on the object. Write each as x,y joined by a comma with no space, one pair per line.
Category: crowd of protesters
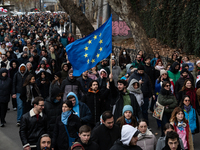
101,109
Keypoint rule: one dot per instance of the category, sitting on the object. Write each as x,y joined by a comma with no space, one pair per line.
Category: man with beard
146,88
137,61
44,142
121,97
84,81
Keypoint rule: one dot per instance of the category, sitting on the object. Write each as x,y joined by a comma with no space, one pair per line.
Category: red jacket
70,40
187,134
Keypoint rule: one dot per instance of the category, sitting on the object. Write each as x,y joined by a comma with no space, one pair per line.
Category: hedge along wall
173,22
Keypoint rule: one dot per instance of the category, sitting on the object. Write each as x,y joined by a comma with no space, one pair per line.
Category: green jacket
136,64
173,76
169,100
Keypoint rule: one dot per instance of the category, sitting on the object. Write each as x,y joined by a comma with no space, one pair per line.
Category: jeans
19,107
145,108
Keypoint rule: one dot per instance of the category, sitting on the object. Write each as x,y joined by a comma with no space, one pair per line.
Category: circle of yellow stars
87,48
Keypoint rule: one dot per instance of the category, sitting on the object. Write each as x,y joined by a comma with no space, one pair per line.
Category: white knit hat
162,72
197,62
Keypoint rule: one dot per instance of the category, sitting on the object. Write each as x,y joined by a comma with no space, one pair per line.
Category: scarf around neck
187,108
181,125
65,116
128,121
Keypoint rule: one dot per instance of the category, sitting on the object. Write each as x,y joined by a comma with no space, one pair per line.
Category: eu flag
85,53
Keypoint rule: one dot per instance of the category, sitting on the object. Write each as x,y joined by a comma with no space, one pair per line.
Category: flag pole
111,64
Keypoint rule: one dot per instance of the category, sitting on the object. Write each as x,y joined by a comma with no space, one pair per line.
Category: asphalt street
10,140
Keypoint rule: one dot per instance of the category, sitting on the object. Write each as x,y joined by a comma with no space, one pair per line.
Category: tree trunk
125,10
77,16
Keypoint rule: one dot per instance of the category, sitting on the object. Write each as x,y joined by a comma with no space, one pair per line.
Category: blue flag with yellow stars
85,53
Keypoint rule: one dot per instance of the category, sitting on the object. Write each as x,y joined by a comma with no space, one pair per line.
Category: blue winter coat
191,117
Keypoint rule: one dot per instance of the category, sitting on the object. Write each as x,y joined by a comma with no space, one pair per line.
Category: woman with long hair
181,126
190,114
189,90
30,90
127,117
168,100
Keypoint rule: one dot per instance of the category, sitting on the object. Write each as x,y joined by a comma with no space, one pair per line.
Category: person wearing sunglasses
190,114
168,100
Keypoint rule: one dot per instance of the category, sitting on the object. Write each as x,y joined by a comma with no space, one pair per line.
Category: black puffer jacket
5,87
91,145
18,80
60,138
32,128
146,87
52,109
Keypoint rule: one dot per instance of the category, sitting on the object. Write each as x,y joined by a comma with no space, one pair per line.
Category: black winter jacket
71,85
120,146
84,83
151,72
91,145
32,128
146,87
5,87
18,80
85,113
95,104
52,110
105,137
60,138
117,100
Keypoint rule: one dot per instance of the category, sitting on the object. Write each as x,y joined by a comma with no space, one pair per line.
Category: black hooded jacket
91,145
52,109
5,87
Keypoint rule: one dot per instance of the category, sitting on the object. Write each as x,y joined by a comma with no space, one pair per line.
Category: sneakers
18,124
2,125
15,109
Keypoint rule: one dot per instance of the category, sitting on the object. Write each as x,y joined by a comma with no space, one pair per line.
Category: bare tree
125,10
77,16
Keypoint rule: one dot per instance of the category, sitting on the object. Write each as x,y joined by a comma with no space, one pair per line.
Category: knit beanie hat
127,108
163,72
58,74
141,67
197,62
183,70
77,144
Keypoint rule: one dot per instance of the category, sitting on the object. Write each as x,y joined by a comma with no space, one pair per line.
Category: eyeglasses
167,86
41,105
186,100
164,74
